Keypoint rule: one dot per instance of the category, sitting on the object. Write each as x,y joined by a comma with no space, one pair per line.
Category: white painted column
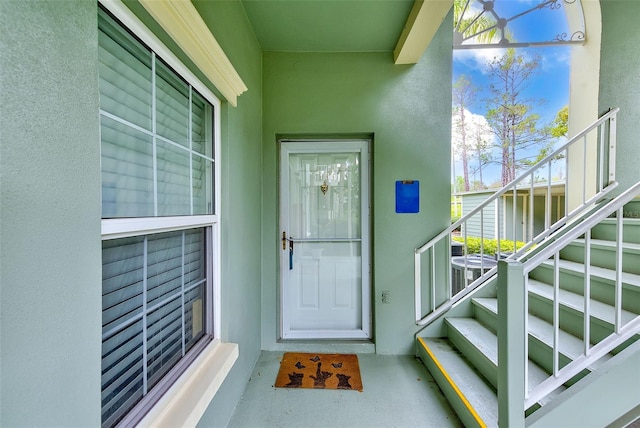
583,103
511,343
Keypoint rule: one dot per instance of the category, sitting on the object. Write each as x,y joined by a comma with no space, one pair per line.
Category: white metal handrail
602,132
624,329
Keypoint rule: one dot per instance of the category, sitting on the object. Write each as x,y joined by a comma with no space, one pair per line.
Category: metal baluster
417,281
515,201
526,330
601,162
584,171
531,233
618,301
556,312
612,148
482,240
466,256
547,216
433,275
498,223
566,184
587,292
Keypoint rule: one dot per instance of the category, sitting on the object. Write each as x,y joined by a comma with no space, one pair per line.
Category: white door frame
326,146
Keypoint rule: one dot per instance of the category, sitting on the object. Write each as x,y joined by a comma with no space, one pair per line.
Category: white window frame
205,374
126,227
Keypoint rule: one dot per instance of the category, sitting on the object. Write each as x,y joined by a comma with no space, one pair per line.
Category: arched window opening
514,23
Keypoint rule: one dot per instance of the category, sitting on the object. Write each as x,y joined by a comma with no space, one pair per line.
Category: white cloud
551,58
477,59
476,125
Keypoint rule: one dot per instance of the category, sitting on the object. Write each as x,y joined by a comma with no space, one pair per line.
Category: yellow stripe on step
453,385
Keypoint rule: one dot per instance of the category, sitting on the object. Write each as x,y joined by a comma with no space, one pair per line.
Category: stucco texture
407,109
620,82
50,258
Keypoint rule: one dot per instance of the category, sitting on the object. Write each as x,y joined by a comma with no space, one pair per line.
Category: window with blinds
157,149
157,157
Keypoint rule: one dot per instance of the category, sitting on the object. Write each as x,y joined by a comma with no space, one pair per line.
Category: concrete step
480,346
571,311
606,230
602,282
603,254
540,337
474,400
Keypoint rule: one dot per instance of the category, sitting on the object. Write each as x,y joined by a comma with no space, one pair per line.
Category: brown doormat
319,371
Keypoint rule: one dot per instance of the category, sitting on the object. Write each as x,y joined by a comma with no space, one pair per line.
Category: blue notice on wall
407,196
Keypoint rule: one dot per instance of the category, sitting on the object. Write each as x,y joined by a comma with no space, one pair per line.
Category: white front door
324,249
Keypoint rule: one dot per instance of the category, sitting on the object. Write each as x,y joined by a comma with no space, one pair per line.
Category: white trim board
210,59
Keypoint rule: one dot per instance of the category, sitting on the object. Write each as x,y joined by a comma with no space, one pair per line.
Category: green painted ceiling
328,25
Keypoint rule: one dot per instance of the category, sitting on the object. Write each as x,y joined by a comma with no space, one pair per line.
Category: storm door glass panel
125,74
172,105
324,195
127,170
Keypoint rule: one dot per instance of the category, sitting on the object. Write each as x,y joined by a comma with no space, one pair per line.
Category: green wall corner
407,109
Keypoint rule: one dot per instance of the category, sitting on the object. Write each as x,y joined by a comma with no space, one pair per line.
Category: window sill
186,401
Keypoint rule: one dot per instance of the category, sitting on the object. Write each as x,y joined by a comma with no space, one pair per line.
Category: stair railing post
511,343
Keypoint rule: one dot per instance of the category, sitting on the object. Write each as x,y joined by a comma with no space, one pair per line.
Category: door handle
284,247
290,254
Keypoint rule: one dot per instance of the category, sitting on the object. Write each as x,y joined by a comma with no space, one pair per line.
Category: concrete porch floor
398,392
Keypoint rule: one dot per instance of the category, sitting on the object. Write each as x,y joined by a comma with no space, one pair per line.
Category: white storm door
324,248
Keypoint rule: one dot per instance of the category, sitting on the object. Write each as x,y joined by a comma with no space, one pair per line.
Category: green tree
463,96
560,126
458,184
480,26
511,115
481,146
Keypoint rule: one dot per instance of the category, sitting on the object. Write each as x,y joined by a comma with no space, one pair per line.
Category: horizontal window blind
157,133
153,312
157,160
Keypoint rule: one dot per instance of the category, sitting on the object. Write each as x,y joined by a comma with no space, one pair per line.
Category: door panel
325,280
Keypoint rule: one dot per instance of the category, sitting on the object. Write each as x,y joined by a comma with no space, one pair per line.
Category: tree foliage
480,144
488,246
479,27
471,136
463,96
560,126
511,115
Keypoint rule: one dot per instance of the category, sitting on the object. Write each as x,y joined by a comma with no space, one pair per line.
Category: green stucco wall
50,325
241,202
50,255
407,109
241,177
620,82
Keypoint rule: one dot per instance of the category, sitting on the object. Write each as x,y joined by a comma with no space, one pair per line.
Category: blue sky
551,81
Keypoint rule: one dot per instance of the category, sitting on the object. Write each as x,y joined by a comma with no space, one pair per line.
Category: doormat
319,371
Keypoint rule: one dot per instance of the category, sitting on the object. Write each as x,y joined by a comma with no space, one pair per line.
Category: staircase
461,349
